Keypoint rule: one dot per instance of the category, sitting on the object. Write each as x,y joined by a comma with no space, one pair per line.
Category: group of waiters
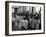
35,21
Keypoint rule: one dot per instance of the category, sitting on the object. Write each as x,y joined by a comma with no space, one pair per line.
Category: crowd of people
26,21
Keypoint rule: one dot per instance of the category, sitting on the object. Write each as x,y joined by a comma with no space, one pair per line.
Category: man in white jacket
23,23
